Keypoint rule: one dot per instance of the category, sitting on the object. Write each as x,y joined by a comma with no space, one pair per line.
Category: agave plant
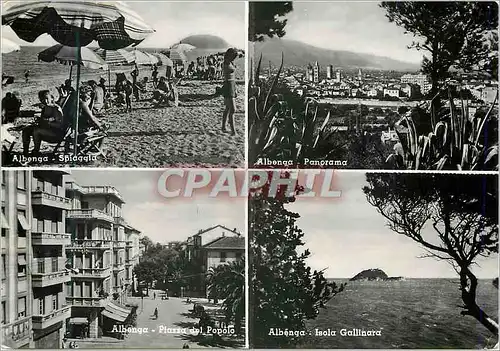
278,131
228,282
456,142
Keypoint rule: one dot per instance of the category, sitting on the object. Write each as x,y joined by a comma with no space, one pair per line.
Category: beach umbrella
163,59
9,46
77,23
116,57
143,58
176,56
68,55
182,47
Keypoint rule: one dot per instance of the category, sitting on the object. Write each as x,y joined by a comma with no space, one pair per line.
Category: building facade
419,79
67,256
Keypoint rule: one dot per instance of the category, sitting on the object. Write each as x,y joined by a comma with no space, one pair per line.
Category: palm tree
227,282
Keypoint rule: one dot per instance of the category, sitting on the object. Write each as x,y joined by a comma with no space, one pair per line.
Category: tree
463,212
146,271
284,293
227,281
146,241
453,33
265,19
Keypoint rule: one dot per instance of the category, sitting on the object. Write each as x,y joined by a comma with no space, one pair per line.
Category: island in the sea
374,274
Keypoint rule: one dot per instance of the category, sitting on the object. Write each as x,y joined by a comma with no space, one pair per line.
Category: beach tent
77,23
9,46
68,55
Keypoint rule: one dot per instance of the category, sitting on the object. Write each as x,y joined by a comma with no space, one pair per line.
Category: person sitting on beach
27,75
102,84
160,94
140,87
11,106
49,126
124,90
87,119
64,91
190,70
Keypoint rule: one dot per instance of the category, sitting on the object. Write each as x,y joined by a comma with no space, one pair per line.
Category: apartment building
67,258
34,307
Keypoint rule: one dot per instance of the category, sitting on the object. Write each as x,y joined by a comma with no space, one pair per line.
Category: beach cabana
68,55
9,46
77,23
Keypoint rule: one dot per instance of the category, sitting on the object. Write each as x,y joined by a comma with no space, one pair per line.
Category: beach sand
186,136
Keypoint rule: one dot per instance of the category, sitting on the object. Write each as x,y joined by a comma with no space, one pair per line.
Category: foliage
146,241
266,19
455,141
278,131
461,211
453,33
227,281
284,293
146,271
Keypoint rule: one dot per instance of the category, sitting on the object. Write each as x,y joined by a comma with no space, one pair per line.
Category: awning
5,225
78,320
21,260
118,313
23,222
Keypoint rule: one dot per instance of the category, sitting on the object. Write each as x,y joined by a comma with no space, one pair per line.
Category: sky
347,235
174,21
352,26
164,220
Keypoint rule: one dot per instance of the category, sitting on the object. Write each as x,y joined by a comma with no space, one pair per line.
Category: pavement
172,329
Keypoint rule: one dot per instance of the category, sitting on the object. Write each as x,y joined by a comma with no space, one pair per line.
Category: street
165,332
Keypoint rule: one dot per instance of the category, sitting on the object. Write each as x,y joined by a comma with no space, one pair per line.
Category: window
21,265
223,256
21,307
85,204
54,302
4,223
21,179
238,255
41,306
4,266
22,223
4,313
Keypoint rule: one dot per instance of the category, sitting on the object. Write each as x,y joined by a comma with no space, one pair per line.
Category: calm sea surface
416,313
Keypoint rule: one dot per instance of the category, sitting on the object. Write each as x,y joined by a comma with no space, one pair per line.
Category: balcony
118,267
89,214
130,244
45,238
17,334
82,244
74,187
49,272
118,244
45,199
46,320
86,301
99,273
108,190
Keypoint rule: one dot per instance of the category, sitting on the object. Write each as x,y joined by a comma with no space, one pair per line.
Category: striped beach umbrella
182,47
77,23
164,60
116,57
143,58
176,56
67,55
9,46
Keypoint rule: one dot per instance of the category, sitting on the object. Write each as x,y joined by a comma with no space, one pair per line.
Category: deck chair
8,142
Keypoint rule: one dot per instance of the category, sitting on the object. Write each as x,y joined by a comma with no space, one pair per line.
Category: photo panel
159,84
122,260
369,85
355,260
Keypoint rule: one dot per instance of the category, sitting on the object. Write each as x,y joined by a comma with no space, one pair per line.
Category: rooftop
227,242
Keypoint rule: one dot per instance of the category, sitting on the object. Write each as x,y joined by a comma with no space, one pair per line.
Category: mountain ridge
297,53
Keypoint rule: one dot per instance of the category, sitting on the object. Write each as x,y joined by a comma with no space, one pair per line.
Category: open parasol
183,47
164,60
68,55
176,56
77,23
143,58
9,46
